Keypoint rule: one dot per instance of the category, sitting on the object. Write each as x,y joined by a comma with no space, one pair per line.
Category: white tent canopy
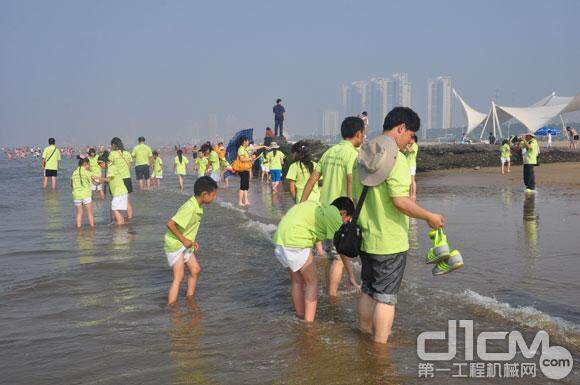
474,117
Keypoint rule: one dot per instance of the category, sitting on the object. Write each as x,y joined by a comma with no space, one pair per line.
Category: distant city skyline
439,103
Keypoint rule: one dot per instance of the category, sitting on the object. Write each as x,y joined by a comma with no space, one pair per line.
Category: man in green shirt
335,168
300,229
530,160
50,158
143,154
384,220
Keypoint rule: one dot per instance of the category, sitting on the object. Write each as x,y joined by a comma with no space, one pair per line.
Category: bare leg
240,198
148,183
53,182
178,274
502,167
366,308
509,165
79,215
246,202
194,270
334,277
89,208
141,184
129,207
118,217
297,291
45,182
383,322
180,182
310,277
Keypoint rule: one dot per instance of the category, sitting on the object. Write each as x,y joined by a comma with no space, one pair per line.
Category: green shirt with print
307,223
334,166
275,161
116,183
531,155
51,156
187,220
384,228
80,182
181,167
202,163
214,159
298,172
505,151
94,164
142,153
121,161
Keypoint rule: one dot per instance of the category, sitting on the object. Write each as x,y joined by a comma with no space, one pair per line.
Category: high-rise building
330,124
354,98
381,101
439,102
402,90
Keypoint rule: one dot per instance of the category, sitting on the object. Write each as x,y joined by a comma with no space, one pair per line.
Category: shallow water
89,307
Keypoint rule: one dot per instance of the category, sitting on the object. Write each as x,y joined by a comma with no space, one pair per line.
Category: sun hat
530,134
376,160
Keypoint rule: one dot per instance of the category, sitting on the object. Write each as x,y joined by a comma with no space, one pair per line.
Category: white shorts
413,170
85,201
96,187
119,202
172,257
158,176
216,176
505,160
265,168
292,258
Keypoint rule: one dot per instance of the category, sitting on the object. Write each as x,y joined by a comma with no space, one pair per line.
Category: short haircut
344,203
104,157
402,115
155,153
242,140
141,139
204,184
51,141
278,100
92,151
350,126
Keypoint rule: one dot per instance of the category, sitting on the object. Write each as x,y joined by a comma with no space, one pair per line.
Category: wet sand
562,175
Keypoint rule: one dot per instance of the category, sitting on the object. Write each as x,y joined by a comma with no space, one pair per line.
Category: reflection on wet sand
531,223
186,352
53,211
85,243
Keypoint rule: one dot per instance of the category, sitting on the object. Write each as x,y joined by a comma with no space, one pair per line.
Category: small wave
266,229
230,206
526,315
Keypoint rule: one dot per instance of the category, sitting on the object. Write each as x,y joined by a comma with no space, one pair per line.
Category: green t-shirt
158,166
299,174
116,183
505,151
95,168
275,161
334,165
121,160
80,181
180,167
187,219
384,228
202,163
243,152
307,223
214,159
142,153
51,156
531,155
412,156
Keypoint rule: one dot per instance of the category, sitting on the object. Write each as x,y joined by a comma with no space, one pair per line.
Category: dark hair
180,155
278,100
505,141
155,153
104,157
118,143
303,155
350,126
141,139
205,148
364,113
82,160
242,140
92,151
415,138
51,141
402,115
344,203
204,184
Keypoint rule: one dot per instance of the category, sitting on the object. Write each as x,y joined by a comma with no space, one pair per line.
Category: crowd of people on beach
367,183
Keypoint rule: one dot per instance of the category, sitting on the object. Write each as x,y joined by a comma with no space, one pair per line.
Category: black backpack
348,239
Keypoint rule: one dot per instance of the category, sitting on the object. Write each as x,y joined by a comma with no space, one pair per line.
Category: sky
85,71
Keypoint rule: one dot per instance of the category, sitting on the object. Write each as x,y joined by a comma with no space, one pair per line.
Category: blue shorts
276,175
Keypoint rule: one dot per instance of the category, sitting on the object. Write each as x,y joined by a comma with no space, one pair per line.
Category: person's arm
409,207
310,185
349,186
293,189
172,226
351,277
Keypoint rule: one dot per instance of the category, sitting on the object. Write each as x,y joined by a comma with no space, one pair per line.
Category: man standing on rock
279,112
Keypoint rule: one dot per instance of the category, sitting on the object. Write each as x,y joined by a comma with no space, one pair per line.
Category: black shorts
244,180
50,172
128,185
382,275
142,171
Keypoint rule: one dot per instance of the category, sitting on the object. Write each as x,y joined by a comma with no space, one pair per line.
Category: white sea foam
525,315
230,206
266,229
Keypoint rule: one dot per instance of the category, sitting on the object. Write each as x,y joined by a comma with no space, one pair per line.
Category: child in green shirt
300,229
157,169
180,245
505,155
80,183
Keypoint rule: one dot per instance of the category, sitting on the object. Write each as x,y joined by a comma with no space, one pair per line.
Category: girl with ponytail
300,170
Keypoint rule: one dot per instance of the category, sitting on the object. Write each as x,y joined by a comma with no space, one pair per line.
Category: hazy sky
84,71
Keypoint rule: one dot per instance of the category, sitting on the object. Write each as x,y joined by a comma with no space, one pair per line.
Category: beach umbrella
234,143
544,131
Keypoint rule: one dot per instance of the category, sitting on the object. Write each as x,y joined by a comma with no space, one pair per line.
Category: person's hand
188,244
319,249
353,284
196,246
436,221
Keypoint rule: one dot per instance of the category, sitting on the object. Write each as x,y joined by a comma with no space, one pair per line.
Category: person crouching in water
300,229
180,245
